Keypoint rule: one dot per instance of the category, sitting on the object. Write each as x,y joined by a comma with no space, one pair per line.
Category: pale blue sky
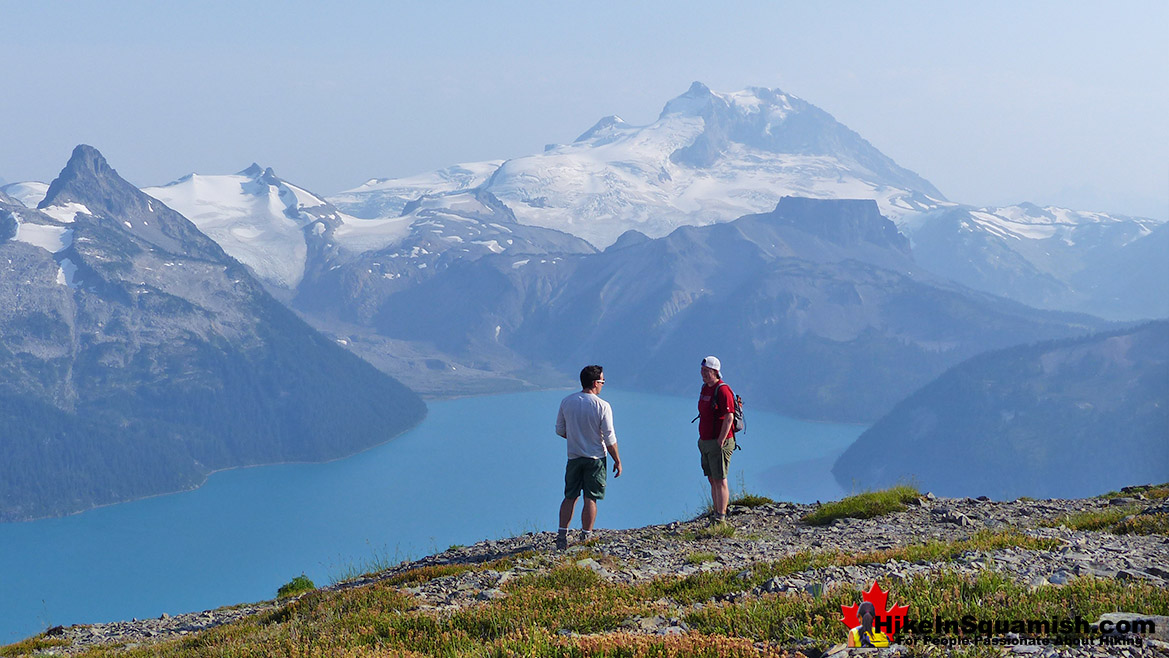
994,102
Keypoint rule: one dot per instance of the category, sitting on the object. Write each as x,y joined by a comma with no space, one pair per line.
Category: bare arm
612,449
724,432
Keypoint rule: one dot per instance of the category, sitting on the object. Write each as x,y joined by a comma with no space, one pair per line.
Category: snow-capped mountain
386,197
258,219
1046,257
386,256
710,157
283,232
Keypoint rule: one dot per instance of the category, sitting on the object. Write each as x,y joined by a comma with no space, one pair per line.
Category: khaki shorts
716,461
585,474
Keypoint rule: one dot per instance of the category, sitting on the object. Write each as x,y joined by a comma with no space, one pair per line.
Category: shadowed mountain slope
1061,418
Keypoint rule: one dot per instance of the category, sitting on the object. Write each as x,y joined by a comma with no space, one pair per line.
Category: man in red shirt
716,434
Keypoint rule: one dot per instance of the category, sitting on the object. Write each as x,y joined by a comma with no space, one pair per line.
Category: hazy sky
1061,103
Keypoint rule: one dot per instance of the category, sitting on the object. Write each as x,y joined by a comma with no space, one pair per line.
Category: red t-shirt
709,420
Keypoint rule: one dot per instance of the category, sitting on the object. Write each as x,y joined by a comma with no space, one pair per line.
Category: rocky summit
771,582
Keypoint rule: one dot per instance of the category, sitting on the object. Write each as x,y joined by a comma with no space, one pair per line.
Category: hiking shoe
717,520
585,535
562,540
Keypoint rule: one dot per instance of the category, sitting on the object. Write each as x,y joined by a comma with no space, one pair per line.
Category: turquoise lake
476,468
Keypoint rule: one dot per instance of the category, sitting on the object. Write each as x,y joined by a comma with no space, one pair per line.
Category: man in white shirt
586,421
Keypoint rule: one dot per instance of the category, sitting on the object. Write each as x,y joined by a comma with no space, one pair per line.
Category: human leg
720,495
588,513
567,507
593,484
716,461
572,488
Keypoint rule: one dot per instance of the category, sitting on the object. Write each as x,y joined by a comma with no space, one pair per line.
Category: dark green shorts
716,461
585,474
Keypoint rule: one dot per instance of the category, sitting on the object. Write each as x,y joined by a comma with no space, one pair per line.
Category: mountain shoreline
209,474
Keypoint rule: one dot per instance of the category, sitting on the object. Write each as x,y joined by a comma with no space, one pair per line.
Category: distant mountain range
1108,265
136,356
709,158
1053,419
713,157
816,308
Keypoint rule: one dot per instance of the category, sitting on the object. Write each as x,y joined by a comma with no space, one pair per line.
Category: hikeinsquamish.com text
970,630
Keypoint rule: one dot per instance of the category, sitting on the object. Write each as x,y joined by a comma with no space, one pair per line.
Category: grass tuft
700,557
1123,520
33,645
298,585
1144,524
751,500
864,506
1150,491
721,530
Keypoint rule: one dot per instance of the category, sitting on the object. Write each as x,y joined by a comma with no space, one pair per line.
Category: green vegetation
32,645
700,557
720,530
788,617
298,585
1144,524
705,586
1121,520
1150,491
428,573
1098,520
571,611
864,506
542,612
750,500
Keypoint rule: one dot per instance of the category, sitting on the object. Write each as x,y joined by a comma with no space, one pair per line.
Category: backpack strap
714,398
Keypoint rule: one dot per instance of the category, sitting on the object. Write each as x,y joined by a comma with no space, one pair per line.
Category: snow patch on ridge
49,238
66,272
66,213
362,235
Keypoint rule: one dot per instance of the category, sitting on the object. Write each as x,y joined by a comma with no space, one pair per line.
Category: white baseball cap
712,362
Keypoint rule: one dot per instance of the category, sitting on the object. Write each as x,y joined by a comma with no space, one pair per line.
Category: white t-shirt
587,422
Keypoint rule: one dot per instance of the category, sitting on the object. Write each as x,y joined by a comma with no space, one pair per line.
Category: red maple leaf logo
887,621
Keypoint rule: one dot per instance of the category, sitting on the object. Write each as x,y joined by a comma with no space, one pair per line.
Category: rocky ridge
764,533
